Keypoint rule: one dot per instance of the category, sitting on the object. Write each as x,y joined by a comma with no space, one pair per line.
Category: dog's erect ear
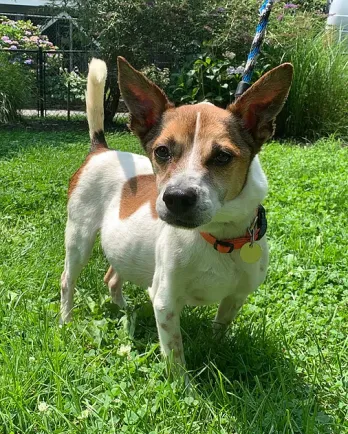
146,102
260,104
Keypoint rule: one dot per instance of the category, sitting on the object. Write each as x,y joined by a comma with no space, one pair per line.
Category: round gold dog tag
250,253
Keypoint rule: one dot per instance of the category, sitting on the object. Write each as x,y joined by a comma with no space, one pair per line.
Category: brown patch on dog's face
136,192
198,138
76,176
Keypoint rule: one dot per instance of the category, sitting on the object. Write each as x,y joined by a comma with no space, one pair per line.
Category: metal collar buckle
223,244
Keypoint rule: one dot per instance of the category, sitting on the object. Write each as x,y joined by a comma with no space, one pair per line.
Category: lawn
282,367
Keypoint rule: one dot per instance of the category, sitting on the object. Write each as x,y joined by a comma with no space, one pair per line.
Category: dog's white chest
202,275
209,280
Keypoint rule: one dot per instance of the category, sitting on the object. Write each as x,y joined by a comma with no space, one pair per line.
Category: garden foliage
17,35
17,78
14,84
197,51
19,42
318,101
205,46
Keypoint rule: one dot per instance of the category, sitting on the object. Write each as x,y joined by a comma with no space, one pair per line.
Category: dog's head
201,153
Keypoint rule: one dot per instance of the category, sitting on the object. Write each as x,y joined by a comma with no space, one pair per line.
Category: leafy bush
206,78
61,82
17,68
159,76
164,32
14,84
317,104
289,22
169,31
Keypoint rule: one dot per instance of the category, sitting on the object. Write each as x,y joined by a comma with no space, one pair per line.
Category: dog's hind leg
85,212
114,282
79,240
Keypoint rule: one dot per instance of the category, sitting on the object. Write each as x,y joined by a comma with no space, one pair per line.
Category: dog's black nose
178,201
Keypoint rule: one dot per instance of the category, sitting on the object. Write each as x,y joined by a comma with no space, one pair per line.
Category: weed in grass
283,366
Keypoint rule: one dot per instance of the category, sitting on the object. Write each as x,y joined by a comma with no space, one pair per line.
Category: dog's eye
162,153
222,158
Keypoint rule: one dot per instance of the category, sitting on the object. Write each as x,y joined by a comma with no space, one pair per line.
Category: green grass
283,366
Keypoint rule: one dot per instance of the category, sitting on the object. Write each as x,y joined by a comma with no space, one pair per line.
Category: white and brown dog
184,221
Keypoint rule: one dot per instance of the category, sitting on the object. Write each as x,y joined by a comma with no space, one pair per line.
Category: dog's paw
119,300
219,330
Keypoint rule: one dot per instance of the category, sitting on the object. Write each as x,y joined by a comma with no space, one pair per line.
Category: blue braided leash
264,13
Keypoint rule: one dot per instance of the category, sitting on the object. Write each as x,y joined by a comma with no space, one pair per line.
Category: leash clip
251,230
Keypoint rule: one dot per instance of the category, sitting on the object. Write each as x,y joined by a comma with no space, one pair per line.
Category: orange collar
255,232
227,246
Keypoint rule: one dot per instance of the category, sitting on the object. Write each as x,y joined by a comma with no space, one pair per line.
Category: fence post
68,105
41,83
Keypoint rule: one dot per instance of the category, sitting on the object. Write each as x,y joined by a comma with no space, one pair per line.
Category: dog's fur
151,210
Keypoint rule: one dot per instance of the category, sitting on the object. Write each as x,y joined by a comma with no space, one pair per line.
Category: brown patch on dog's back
136,192
170,315
76,176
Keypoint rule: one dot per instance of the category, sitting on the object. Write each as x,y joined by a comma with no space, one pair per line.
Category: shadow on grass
51,132
252,370
57,123
248,373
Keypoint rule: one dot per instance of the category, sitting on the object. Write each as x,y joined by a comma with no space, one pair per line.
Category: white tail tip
97,71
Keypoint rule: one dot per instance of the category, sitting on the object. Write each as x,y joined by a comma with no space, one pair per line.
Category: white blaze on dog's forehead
194,155
198,124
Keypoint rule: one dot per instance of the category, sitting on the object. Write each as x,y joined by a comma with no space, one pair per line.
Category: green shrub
206,78
159,76
58,82
318,100
18,87
14,84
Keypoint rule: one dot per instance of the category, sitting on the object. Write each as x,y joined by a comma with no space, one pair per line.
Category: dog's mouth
180,222
183,224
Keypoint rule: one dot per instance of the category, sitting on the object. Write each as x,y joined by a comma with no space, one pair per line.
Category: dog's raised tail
95,103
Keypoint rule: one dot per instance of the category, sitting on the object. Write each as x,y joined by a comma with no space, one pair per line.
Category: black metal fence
58,80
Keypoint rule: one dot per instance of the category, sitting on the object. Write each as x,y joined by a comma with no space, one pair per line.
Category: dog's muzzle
181,206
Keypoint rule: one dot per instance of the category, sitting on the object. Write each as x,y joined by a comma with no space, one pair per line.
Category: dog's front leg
227,311
167,313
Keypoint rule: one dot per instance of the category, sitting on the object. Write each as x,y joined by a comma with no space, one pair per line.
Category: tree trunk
112,93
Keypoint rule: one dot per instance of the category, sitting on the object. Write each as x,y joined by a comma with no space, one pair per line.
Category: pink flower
13,47
290,6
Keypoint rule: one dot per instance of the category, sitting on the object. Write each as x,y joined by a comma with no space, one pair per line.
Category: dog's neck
234,218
